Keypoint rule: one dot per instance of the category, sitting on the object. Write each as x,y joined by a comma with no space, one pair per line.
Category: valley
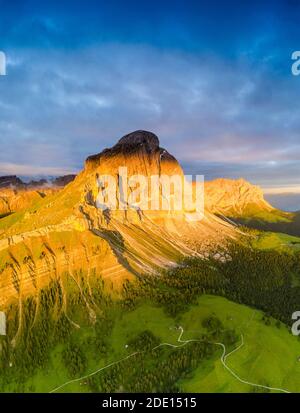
63,346
147,301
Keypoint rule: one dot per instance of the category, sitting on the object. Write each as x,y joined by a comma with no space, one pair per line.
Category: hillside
140,341
16,195
244,204
240,199
67,233
267,348
107,300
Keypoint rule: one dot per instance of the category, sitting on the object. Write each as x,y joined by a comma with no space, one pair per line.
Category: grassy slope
51,210
268,216
278,241
275,221
127,326
269,356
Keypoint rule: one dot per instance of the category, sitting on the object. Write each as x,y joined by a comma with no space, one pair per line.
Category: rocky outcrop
11,180
12,200
16,195
14,182
235,198
67,233
64,180
140,152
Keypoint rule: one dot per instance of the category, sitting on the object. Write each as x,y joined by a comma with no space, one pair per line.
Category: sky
212,79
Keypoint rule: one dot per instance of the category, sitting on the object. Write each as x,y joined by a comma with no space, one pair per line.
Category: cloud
285,202
29,170
59,106
281,190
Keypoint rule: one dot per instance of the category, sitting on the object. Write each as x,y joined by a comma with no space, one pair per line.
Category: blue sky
212,79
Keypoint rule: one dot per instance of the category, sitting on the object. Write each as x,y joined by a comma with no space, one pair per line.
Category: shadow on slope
290,227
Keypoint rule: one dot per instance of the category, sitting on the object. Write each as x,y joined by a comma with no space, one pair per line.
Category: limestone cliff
66,236
235,198
16,195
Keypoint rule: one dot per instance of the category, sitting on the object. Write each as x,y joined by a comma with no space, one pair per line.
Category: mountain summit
140,152
235,198
65,236
134,142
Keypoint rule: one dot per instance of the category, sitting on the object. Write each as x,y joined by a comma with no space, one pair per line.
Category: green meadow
269,356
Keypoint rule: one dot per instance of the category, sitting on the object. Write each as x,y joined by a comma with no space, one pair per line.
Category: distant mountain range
14,182
17,195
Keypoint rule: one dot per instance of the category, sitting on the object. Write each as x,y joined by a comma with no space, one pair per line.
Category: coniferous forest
56,325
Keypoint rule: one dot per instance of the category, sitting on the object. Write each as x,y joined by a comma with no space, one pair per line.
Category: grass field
127,326
276,240
269,356
272,216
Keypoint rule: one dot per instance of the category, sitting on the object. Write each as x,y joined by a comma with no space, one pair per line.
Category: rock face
12,200
64,180
16,195
132,143
11,180
235,198
66,235
14,182
140,152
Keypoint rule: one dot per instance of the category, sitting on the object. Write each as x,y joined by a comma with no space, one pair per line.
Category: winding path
223,359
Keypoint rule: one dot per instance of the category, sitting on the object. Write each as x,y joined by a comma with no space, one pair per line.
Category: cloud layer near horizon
235,118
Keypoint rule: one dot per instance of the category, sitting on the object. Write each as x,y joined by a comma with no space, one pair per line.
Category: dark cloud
285,202
212,79
57,107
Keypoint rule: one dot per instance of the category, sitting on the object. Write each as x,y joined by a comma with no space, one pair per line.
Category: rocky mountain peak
140,138
11,180
139,147
234,197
